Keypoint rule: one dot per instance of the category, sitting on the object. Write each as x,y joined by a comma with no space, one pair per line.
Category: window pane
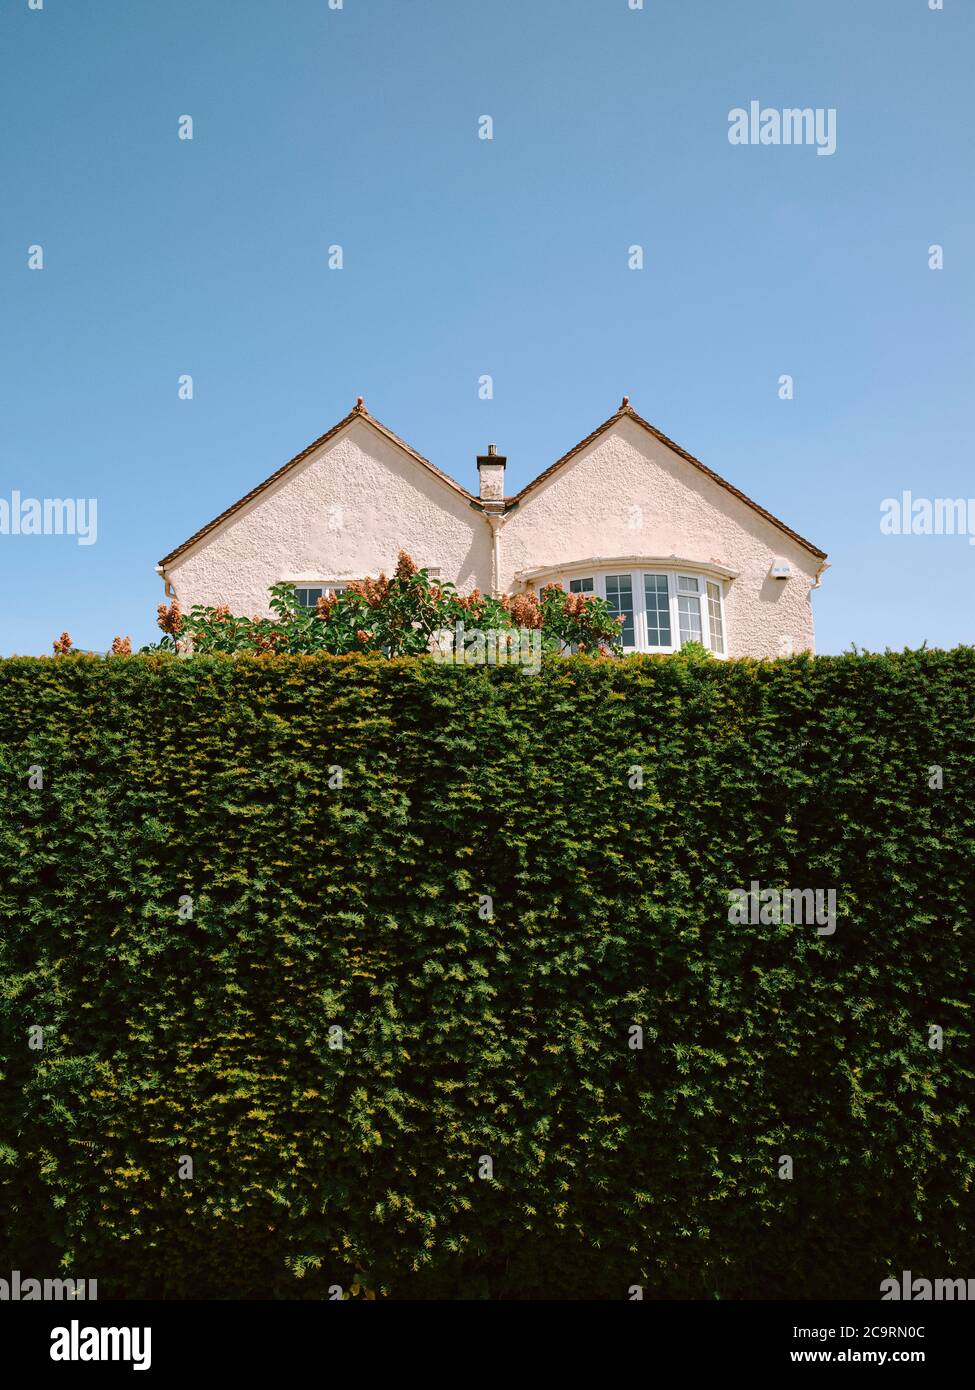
658,609
715,625
619,596
308,595
688,584
689,612
580,586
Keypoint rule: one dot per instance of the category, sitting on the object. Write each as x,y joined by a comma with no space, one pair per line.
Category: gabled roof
626,412
358,412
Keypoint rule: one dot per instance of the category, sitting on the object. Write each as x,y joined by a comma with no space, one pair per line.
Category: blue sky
466,257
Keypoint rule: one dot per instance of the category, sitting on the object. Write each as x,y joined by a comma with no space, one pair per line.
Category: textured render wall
344,513
352,506
627,494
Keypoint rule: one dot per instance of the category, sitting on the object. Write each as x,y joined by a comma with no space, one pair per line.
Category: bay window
661,609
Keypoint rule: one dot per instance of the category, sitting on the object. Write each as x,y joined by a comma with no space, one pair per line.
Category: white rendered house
626,514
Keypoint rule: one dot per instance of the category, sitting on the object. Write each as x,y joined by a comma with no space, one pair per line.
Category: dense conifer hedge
459,869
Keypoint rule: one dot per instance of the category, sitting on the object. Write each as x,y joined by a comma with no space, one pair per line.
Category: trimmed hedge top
376,944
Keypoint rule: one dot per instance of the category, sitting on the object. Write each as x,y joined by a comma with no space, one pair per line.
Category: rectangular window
715,625
580,586
619,596
657,599
308,596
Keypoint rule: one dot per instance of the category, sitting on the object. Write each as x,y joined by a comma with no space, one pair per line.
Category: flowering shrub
397,616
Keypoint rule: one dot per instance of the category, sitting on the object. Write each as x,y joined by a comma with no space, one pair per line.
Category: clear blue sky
466,257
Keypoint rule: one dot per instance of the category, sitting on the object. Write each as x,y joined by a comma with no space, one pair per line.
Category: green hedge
508,1036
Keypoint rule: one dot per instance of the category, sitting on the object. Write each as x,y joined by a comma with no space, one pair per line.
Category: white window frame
327,586
338,586
640,625
709,583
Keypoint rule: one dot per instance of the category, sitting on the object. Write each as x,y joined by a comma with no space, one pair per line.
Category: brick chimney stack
490,468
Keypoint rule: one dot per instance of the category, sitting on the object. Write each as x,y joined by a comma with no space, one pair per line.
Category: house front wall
349,509
627,494
343,513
